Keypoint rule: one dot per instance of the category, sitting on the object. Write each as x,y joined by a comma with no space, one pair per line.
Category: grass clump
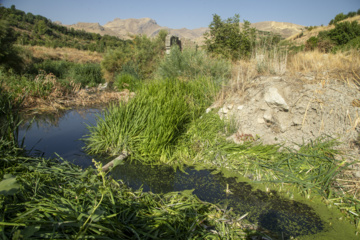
49,199
149,125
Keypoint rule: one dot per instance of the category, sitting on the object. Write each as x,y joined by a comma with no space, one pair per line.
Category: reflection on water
269,210
49,134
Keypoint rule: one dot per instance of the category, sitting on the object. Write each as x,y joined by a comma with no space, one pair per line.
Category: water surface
49,135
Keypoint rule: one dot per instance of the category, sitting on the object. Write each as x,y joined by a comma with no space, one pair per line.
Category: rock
260,120
357,174
230,106
268,116
240,107
275,100
102,86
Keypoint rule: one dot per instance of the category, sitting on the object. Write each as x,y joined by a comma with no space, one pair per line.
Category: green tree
8,55
344,32
40,27
226,39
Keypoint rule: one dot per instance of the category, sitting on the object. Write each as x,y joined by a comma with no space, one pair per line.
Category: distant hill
124,28
284,29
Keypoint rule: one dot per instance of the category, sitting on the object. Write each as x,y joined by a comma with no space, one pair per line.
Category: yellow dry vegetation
67,54
342,65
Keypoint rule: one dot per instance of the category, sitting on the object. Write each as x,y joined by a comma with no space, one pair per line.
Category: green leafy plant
191,64
227,40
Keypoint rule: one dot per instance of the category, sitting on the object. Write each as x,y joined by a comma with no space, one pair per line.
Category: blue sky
187,13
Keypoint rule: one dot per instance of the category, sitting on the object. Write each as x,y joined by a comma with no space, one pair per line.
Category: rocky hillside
122,28
284,29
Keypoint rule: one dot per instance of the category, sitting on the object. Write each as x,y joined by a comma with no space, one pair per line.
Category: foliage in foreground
313,169
52,199
42,198
149,125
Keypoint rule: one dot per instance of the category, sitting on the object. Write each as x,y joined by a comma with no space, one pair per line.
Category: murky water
49,135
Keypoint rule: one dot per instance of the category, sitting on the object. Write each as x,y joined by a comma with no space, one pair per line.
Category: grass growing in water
51,199
149,125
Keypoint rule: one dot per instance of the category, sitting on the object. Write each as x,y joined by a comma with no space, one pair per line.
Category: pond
60,135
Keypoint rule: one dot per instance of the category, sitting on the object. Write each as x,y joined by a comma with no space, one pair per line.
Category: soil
293,111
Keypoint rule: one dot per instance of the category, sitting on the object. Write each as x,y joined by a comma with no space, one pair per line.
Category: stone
260,120
268,116
230,106
275,100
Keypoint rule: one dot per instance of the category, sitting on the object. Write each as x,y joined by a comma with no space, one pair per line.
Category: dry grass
67,54
316,65
81,98
341,66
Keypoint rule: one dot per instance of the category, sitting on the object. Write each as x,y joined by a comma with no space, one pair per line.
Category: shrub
88,74
83,73
227,40
126,81
143,54
311,43
9,56
191,64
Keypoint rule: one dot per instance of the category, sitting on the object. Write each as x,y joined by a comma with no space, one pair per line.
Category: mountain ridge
125,28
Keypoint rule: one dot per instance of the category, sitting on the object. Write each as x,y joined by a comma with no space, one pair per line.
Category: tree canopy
226,39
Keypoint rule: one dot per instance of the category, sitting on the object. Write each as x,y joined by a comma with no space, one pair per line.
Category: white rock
240,107
268,116
260,120
274,99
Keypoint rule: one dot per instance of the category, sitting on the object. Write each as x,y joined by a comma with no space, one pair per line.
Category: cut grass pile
47,199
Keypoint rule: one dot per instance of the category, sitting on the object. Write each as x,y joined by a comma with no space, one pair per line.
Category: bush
227,40
88,74
334,39
126,81
143,55
311,43
191,64
9,55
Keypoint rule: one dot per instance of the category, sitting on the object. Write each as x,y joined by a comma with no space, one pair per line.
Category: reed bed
314,169
149,125
53,199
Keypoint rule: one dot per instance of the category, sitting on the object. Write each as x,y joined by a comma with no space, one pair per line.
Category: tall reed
149,125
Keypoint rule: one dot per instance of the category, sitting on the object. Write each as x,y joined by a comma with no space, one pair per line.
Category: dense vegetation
345,36
165,123
226,39
341,16
38,30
